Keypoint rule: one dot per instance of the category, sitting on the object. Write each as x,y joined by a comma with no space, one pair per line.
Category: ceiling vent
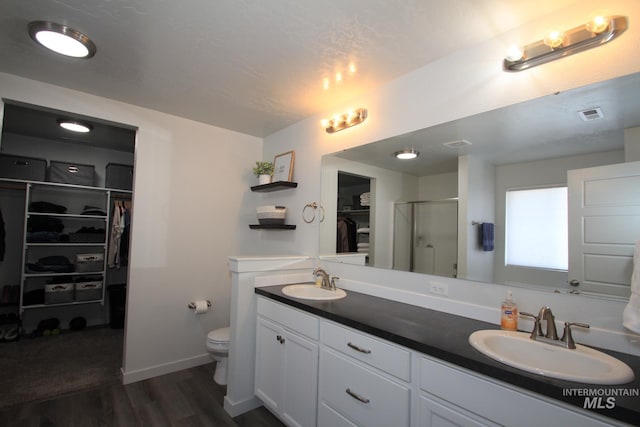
457,144
591,114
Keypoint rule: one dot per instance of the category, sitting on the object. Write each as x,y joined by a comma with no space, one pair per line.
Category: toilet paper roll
201,307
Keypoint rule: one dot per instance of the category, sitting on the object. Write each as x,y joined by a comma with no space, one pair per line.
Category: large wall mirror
544,193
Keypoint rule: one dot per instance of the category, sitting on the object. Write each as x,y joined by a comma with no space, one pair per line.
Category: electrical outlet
439,289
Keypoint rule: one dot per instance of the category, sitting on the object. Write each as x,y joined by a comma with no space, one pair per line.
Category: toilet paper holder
192,305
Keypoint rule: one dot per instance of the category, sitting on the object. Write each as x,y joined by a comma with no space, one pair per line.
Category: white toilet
218,348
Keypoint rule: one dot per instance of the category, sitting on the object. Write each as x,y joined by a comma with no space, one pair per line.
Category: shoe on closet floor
11,333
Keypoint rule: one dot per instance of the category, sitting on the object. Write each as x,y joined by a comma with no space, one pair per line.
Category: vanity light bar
344,121
597,32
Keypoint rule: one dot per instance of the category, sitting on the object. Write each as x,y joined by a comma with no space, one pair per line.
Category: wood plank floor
185,398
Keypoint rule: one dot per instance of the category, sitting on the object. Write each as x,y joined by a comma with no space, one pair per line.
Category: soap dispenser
509,313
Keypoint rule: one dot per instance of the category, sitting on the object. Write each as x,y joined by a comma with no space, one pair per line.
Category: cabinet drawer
387,357
327,417
481,396
291,318
360,394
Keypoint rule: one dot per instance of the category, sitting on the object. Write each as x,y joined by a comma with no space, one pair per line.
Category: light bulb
598,24
350,116
325,83
324,123
514,53
352,68
554,39
338,76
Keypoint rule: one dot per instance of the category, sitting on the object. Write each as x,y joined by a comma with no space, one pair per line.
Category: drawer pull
358,348
356,396
280,339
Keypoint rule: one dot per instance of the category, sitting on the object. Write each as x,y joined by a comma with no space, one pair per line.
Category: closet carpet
41,368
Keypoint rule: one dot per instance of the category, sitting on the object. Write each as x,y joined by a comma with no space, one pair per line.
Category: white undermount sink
583,364
309,291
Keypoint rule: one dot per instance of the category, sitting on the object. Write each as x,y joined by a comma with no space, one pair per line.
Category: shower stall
425,237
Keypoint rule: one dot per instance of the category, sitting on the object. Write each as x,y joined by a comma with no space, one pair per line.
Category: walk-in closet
65,216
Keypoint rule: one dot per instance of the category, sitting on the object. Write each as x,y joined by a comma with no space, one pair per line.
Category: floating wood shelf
274,186
272,227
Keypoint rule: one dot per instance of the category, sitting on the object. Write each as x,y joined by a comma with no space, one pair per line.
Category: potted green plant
263,170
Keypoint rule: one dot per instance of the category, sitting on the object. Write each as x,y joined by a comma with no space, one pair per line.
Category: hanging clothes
124,239
117,228
346,235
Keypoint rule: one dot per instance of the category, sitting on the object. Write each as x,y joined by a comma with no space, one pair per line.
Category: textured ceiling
250,66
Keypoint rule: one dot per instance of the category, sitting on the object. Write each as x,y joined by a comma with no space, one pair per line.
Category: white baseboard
238,408
166,368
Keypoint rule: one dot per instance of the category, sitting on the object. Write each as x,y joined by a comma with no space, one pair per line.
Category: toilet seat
218,336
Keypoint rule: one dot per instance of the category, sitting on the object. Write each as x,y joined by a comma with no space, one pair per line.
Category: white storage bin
58,293
87,291
89,262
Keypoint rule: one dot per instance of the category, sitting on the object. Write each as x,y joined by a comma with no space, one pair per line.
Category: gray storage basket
20,167
72,173
89,263
119,176
58,293
87,291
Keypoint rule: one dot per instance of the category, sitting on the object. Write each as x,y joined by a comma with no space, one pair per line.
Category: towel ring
313,206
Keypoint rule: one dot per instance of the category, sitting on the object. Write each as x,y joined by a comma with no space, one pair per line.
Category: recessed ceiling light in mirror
62,39
407,154
75,126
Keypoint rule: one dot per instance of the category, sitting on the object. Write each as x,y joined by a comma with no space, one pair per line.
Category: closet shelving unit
267,188
75,198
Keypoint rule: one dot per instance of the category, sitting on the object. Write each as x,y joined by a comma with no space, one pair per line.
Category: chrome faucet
550,335
326,282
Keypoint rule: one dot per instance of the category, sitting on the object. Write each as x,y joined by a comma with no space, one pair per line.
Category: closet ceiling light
407,154
62,39
559,44
75,125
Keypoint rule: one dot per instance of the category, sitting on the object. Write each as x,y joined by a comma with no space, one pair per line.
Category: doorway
58,195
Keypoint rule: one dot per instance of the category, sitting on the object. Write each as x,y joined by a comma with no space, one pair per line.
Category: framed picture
283,166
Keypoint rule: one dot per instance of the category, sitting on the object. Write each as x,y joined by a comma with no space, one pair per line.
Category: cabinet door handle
358,348
356,396
280,339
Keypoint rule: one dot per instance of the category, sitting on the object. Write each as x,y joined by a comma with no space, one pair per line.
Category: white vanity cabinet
450,396
314,371
363,380
286,375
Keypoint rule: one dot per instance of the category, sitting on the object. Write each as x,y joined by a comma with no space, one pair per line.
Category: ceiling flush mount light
346,120
75,125
407,154
559,44
62,39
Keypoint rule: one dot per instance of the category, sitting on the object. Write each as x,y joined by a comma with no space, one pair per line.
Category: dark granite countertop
445,336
